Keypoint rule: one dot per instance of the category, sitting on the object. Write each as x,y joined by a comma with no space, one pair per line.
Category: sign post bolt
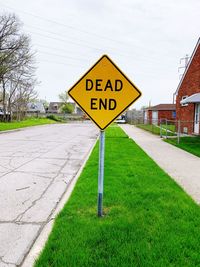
101,172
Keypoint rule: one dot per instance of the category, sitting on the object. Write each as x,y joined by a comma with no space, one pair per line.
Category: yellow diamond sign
104,92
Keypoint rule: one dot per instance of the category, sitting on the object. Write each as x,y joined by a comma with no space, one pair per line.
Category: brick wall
165,114
162,114
189,86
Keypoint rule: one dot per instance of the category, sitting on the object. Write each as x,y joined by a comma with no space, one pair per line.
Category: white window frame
184,97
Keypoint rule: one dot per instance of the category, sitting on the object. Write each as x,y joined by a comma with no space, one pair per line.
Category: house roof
188,65
37,106
60,103
163,107
56,103
195,98
53,105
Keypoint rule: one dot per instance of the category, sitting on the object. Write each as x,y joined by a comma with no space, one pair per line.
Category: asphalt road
36,166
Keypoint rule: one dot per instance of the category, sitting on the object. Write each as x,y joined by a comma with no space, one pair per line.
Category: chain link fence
134,117
175,129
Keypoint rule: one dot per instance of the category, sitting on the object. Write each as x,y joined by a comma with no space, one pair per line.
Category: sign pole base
101,173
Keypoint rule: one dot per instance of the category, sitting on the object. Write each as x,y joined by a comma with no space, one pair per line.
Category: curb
11,131
26,127
41,239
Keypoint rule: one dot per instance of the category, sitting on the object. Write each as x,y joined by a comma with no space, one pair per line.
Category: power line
83,45
69,41
127,55
75,43
68,26
54,33
151,60
71,58
56,49
79,40
63,40
60,63
53,48
148,73
53,54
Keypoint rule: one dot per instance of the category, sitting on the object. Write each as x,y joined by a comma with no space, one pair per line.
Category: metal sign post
101,172
103,93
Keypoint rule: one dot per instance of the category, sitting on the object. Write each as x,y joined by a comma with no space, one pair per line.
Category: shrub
54,117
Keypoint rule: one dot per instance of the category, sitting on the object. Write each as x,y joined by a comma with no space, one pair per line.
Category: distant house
2,115
188,95
78,110
55,107
35,107
153,115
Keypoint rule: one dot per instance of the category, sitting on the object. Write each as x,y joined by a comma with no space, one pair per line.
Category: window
33,106
184,97
174,114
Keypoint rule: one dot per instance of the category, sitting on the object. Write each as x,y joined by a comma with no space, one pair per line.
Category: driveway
36,167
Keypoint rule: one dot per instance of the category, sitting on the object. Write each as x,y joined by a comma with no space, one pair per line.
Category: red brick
189,86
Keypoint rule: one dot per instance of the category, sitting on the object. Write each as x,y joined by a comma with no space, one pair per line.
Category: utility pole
185,61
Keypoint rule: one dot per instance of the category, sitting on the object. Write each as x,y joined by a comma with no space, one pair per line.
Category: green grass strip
5,126
156,129
189,144
149,220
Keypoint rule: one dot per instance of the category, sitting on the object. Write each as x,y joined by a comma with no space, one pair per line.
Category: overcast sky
146,39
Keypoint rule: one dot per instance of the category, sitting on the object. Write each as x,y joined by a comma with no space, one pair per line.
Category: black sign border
140,94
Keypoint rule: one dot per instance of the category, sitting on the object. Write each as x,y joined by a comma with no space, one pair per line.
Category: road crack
6,262
20,216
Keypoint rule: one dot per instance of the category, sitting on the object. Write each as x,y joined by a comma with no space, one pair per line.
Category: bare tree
63,97
22,96
66,106
17,71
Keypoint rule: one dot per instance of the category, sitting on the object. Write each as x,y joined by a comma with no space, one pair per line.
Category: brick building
153,115
188,95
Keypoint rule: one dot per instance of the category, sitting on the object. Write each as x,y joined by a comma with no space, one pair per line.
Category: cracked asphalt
36,167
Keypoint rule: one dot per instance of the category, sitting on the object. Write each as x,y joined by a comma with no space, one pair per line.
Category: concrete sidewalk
182,166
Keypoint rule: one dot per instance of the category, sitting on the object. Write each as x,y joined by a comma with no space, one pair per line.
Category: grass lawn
189,144
4,126
149,220
156,129
150,128
170,127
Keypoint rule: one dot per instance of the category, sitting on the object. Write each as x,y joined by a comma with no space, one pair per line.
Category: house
78,110
54,107
3,116
153,115
37,107
188,95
